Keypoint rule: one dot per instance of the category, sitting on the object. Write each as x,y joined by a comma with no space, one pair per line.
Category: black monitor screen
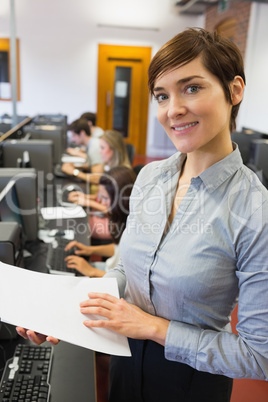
9,205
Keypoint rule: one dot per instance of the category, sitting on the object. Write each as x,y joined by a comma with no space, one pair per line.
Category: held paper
49,304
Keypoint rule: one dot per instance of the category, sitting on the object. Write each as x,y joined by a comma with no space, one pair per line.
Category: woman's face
192,107
103,196
106,151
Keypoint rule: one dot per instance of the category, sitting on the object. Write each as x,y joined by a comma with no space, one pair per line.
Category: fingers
76,196
35,337
22,332
52,340
72,260
98,304
96,298
71,245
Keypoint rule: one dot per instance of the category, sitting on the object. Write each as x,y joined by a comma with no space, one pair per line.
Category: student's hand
75,151
124,318
78,197
82,249
35,337
81,265
67,168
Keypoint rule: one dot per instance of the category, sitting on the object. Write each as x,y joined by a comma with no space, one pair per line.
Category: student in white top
91,119
88,148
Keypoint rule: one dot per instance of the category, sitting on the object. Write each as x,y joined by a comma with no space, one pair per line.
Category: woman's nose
176,107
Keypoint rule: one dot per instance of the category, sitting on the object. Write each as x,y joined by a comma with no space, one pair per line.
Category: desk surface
73,372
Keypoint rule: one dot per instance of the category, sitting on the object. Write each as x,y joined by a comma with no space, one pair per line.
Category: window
5,70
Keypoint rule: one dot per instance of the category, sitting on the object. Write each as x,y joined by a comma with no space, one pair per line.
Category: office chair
137,168
131,152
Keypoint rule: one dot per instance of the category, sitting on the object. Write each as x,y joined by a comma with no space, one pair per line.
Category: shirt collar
212,177
221,171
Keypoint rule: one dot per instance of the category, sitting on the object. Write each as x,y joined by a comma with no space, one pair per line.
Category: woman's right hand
82,249
35,337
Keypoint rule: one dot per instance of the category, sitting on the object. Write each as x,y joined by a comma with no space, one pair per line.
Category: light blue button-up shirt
192,274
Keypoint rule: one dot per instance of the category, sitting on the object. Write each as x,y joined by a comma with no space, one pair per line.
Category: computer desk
73,369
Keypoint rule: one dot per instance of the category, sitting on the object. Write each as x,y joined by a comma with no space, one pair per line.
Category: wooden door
123,92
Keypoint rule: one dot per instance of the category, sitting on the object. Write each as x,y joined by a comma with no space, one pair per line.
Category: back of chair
131,152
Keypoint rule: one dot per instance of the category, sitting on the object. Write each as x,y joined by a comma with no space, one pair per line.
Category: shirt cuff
182,342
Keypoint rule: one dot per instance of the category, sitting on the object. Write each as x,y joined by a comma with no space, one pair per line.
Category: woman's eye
192,89
160,98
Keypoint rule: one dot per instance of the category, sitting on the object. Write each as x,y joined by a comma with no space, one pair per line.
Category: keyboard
26,375
55,257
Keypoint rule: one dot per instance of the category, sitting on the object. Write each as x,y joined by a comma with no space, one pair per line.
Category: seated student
114,153
91,119
89,148
115,188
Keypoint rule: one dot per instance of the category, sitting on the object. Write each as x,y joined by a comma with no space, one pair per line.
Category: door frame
124,54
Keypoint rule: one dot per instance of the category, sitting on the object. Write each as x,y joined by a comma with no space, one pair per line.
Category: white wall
59,45
254,108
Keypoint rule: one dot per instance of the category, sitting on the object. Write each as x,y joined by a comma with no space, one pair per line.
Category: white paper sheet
76,211
49,304
72,159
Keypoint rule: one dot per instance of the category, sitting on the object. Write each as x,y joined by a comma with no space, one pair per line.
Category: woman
113,153
114,188
195,241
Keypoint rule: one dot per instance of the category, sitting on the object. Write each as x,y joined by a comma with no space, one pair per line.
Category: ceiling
197,7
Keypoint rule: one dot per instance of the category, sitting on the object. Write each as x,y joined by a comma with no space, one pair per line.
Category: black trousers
148,377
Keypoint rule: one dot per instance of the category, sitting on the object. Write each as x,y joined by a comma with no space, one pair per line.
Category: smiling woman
179,283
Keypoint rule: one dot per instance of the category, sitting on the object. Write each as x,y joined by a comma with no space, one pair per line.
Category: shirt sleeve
118,273
237,356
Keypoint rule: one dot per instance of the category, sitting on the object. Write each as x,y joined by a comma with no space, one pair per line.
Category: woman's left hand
124,318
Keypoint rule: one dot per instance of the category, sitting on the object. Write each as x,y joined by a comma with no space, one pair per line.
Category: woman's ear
237,89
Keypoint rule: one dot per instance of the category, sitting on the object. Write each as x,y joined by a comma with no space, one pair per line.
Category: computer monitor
259,155
9,204
9,132
243,139
40,157
27,196
59,120
52,132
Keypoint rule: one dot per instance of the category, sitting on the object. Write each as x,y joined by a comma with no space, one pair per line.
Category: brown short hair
78,125
89,116
219,55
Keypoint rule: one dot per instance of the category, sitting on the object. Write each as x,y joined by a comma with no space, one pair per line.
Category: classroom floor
243,390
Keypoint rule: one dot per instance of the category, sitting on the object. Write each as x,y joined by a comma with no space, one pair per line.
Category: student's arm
82,266
76,152
98,169
92,178
104,250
